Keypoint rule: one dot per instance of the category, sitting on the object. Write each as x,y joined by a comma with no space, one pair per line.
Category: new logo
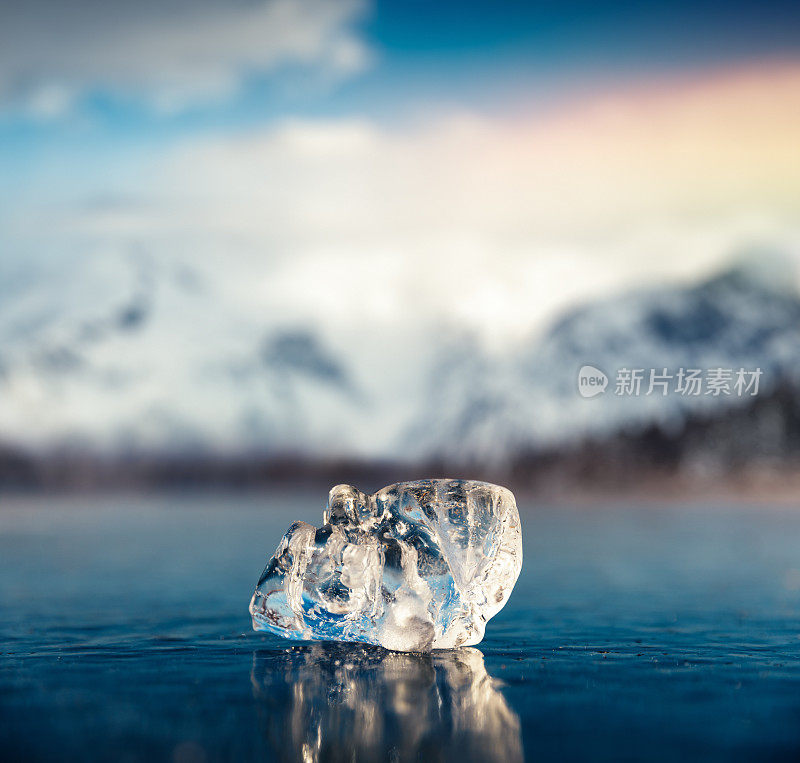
591,381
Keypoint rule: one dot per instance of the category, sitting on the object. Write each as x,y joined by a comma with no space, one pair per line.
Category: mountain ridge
139,358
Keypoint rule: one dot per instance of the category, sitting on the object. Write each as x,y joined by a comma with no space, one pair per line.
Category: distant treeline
755,445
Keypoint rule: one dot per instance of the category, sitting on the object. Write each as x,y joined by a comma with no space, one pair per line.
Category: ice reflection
329,702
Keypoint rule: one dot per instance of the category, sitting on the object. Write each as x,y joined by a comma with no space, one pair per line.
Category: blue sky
66,102
418,55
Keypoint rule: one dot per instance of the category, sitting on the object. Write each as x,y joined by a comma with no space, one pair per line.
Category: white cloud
49,102
496,224
169,52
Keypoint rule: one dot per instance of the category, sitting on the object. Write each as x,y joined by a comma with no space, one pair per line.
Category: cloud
478,218
169,52
493,223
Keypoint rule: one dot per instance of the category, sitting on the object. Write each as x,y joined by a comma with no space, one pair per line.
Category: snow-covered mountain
483,410
127,355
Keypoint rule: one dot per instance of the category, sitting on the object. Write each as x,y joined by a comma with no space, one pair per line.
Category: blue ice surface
656,632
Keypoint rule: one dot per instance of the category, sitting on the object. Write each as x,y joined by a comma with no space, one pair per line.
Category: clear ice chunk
416,566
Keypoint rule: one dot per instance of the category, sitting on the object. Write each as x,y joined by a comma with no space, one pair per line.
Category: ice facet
416,566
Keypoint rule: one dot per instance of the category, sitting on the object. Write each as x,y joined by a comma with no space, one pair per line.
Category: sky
488,163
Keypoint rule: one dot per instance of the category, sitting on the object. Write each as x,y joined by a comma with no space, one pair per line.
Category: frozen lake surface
659,632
